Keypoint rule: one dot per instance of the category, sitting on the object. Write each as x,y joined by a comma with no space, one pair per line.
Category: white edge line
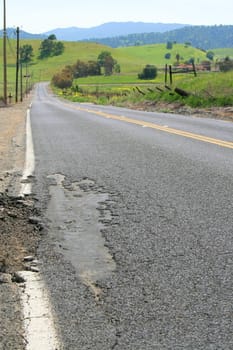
29,167
38,320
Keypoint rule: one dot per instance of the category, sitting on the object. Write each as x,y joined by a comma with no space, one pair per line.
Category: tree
93,68
117,68
46,48
210,55
26,53
106,61
80,69
52,37
167,56
226,64
169,45
178,58
191,60
102,57
108,65
149,72
64,79
58,48
83,69
51,47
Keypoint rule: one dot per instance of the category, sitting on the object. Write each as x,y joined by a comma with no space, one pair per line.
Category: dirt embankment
15,228
12,143
222,113
19,224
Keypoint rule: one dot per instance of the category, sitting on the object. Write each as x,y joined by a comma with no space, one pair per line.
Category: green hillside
222,53
131,59
205,37
43,70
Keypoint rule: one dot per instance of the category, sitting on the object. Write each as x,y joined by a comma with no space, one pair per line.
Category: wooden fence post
170,74
165,74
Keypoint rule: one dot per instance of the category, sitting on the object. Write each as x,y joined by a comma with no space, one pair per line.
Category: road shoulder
18,234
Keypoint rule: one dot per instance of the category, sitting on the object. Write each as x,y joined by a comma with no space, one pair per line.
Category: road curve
139,249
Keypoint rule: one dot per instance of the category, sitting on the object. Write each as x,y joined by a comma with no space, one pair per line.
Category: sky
38,16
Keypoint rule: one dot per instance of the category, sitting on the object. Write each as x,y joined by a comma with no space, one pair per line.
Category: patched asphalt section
77,213
84,322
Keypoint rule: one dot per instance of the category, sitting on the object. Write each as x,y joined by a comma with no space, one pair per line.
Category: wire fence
23,90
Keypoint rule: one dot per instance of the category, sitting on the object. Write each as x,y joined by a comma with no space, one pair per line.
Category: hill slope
116,34
130,59
205,37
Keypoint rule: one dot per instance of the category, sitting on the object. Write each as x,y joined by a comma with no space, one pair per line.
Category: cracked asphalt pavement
170,232
161,206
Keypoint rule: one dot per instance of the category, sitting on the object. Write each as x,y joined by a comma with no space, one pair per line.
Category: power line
12,51
4,53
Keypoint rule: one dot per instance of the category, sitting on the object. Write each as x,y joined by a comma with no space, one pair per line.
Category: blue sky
37,16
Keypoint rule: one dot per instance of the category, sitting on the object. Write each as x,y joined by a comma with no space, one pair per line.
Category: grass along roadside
209,89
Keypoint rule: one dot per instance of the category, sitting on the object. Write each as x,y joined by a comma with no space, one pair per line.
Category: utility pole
4,54
17,66
21,82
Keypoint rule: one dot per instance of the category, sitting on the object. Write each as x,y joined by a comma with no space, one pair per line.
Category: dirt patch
19,228
19,233
222,113
12,145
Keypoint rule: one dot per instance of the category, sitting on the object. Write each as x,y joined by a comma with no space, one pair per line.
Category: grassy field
43,70
222,53
204,90
132,60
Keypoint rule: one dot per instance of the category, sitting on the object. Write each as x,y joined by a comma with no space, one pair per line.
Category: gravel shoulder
221,113
18,232
12,144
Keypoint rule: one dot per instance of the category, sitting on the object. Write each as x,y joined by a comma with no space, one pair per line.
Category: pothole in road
77,213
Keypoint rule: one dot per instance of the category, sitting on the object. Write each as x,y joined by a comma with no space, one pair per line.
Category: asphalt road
152,267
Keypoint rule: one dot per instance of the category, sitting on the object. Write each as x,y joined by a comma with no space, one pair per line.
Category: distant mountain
204,37
111,29
115,34
11,34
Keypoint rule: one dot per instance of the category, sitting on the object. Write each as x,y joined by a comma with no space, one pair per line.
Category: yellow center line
144,124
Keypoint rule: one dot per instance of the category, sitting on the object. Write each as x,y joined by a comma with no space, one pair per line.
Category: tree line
204,37
105,64
48,48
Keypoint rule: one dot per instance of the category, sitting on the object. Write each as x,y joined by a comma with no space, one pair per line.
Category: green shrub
149,72
63,80
226,65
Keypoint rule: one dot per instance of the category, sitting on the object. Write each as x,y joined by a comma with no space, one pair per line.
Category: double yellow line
221,143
